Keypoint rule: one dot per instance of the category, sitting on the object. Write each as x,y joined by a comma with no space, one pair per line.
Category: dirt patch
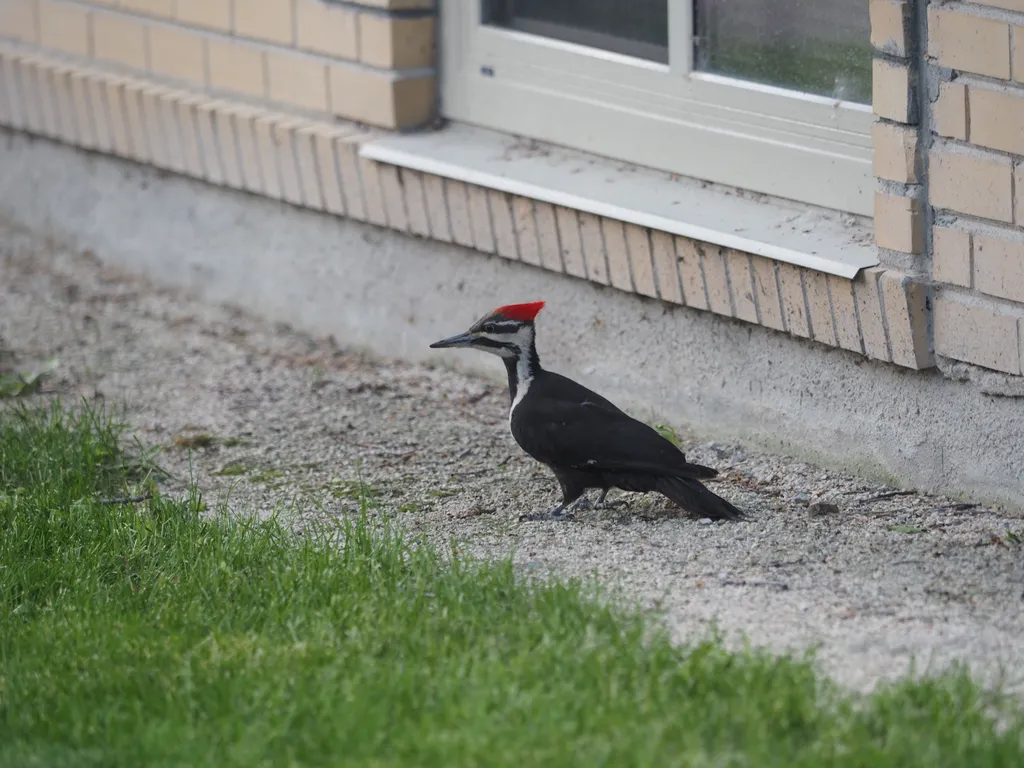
270,419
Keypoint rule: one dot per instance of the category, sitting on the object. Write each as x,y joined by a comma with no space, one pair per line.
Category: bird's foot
558,514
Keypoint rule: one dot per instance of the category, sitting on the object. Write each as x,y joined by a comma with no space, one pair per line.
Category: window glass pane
816,46
632,27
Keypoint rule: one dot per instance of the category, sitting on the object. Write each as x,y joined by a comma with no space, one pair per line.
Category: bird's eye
488,328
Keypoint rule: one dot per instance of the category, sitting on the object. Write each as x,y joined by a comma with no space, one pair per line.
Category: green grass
148,635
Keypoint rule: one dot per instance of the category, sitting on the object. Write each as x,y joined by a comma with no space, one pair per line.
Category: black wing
585,431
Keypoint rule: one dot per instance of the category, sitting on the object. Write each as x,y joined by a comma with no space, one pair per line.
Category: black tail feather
695,498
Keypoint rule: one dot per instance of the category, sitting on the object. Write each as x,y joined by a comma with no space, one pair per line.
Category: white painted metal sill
823,240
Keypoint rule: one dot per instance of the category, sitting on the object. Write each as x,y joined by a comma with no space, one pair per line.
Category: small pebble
705,521
802,498
822,508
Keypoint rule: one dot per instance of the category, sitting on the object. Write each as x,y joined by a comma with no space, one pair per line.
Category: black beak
462,340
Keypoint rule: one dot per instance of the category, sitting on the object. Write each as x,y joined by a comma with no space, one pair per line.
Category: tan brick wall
371,61
973,61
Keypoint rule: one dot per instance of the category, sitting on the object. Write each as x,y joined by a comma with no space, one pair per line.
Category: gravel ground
267,418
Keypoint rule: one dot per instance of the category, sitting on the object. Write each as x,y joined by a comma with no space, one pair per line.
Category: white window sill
823,240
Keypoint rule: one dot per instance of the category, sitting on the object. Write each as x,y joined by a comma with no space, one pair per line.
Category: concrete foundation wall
394,294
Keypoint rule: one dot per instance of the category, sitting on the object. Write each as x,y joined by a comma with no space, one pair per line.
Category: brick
392,179
327,29
969,43
844,313
191,149
416,206
794,301
18,20
893,91
890,26
155,127
27,87
101,121
437,208
979,186
171,122
396,43
691,273
951,256
1018,184
869,311
323,144
737,265
766,289
1018,54
210,14
820,306
458,212
379,98
480,219
207,133
83,109
64,27
136,120
66,113
500,207
41,76
244,119
976,333
414,99
288,167
618,257
526,230
899,223
345,151
906,314
570,242
296,80
394,201
231,168
895,151
236,67
163,9
119,39
312,197
269,20
999,267
177,53
997,119
639,248
663,252
547,236
949,111
10,99
715,279
593,248
373,192
264,129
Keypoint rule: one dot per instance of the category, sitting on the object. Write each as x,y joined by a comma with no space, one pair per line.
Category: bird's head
506,332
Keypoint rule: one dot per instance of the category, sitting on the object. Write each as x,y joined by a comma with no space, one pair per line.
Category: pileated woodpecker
586,441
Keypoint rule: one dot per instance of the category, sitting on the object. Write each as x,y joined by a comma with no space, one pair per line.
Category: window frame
755,137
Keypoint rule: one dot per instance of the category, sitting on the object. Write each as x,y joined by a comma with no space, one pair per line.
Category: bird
585,440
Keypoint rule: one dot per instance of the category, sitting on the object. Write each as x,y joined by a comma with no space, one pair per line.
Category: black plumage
586,441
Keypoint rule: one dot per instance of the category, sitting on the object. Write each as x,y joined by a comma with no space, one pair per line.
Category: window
772,96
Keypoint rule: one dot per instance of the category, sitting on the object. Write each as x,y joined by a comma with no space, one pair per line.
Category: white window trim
761,138
826,241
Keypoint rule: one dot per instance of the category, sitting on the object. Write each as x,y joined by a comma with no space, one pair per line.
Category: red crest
524,313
